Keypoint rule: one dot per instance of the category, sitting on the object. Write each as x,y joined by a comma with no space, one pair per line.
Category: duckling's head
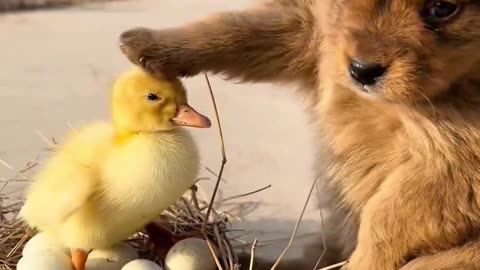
142,103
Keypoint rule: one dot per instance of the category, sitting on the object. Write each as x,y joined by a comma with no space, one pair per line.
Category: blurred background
57,65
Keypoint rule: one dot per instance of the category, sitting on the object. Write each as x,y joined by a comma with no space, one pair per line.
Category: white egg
41,243
102,264
190,254
121,253
53,260
141,265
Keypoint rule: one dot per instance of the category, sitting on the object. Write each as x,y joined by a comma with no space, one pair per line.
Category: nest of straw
187,218
13,234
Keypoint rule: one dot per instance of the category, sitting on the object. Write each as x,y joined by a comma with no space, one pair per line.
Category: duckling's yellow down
105,182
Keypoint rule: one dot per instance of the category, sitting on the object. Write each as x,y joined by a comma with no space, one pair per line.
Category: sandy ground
57,66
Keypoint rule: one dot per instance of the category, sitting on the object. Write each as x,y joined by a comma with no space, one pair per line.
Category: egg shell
190,254
52,260
41,243
141,264
121,253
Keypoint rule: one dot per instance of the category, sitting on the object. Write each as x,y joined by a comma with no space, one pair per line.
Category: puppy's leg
466,257
404,219
383,242
277,42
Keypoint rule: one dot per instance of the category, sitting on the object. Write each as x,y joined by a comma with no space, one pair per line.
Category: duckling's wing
68,180
57,192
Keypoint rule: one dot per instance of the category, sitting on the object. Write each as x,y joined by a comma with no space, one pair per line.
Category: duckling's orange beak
187,116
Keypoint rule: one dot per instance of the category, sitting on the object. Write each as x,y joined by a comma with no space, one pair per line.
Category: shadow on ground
273,237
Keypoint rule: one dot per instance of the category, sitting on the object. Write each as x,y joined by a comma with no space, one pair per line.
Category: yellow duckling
107,181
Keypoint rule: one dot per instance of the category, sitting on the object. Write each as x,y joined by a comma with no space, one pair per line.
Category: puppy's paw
136,42
147,48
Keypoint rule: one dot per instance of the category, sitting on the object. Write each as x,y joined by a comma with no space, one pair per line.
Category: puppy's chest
360,146
364,146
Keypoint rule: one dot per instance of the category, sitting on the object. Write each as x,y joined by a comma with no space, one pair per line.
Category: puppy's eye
439,11
152,97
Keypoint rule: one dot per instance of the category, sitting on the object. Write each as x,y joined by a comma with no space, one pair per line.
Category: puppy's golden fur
401,157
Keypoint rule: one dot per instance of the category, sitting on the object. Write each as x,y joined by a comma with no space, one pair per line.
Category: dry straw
13,232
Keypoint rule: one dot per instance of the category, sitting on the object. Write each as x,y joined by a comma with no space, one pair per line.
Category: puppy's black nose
366,73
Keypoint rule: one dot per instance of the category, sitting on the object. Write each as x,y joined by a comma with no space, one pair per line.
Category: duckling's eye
439,11
153,97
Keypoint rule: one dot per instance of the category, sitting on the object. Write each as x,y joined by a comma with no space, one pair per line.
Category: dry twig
297,225
252,253
224,156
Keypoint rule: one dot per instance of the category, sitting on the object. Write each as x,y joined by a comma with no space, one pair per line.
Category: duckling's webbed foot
79,259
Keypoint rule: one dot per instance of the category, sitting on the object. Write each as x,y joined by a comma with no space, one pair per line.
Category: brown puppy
394,89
